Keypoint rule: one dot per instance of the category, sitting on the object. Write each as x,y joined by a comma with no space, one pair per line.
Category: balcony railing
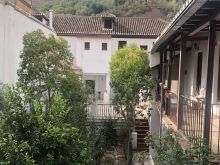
102,111
193,122
193,118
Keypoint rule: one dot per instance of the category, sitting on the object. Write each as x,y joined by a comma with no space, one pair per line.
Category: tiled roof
132,26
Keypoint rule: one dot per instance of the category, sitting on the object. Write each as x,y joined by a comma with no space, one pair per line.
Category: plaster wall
190,88
14,25
95,61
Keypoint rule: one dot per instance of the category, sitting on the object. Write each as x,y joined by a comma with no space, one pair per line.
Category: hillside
164,9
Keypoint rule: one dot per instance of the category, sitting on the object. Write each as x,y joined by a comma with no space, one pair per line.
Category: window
121,44
90,86
104,46
144,47
87,45
199,72
108,24
218,92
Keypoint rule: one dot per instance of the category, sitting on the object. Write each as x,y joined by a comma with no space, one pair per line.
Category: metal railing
193,122
193,118
215,129
102,111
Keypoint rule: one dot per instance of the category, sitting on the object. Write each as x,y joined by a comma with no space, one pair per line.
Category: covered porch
98,87
189,72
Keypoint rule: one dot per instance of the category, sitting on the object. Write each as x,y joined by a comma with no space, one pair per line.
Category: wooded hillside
148,8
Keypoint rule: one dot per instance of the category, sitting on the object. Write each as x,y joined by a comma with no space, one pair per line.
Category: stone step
141,145
142,132
141,136
141,129
140,140
141,123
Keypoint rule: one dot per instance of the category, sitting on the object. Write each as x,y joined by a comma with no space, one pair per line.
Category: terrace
186,57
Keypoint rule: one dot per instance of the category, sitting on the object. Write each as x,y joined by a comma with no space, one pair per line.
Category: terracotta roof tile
137,26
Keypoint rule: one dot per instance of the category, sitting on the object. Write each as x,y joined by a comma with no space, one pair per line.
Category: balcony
193,121
102,111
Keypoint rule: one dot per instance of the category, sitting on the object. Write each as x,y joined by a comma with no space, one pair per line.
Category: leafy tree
39,138
46,69
44,63
43,117
131,81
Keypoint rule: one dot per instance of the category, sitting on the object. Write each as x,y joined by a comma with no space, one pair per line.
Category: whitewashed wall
13,26
95,61
191,67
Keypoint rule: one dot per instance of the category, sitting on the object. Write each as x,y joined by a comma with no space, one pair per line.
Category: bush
42,137
169,151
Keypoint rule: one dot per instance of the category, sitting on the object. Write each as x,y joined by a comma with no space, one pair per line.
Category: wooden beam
161,91
164,74
197,38
167,106
204,23
181,81
208,98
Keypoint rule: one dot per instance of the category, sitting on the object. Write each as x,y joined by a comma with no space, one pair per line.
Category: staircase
142,129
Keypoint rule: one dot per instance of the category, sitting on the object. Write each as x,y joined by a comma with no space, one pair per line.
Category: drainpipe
51,19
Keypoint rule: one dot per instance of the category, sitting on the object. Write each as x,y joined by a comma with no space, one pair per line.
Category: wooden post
181,81
167,106
208,98
161,89
164,75
163,57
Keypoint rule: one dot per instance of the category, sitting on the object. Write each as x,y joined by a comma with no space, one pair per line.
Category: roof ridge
132,26
99,16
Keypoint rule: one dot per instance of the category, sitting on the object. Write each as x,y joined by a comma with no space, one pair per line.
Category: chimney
51,18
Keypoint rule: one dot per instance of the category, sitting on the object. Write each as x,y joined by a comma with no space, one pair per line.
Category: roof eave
177,22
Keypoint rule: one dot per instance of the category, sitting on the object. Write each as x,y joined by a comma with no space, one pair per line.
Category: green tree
43,118
44,63
131,81
46,68
39,137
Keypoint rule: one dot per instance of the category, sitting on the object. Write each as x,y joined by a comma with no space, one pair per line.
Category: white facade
95,61
14,24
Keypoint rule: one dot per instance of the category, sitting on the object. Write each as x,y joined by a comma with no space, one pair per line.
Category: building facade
186,58
94,39
15,22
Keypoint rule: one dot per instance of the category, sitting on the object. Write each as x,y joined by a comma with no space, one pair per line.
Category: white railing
102,111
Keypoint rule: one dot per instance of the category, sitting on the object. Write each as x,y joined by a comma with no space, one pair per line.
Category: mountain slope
148,8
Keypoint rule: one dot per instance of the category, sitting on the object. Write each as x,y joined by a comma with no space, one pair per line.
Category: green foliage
130,78
123,138
118,7
109,133
131,82
45,62
100,139
46,69
39,137
43,117
169,151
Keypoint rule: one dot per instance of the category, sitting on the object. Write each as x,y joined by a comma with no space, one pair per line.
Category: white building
16,20
94,39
